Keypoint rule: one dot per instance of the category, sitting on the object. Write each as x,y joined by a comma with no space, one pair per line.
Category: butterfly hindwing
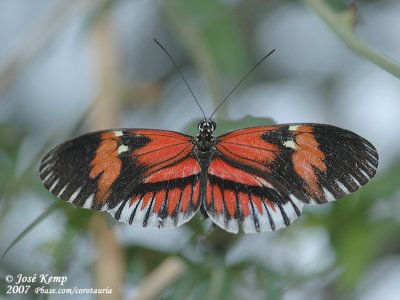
236,196
261,176
140,176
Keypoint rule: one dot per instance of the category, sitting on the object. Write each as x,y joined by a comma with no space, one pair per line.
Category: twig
344,30
109,265
162,277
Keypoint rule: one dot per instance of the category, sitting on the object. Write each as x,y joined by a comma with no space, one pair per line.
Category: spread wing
260,177
144,177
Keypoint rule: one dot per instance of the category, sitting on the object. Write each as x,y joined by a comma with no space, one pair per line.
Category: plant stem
110,263
345,32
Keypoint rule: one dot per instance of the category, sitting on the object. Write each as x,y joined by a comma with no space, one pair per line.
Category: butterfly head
207,126
205,140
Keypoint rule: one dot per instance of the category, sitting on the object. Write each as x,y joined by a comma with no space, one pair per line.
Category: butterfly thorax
205,140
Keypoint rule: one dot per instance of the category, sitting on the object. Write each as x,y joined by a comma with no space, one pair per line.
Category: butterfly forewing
144,177
262,176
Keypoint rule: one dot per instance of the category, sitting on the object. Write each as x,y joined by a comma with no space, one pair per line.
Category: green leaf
213,23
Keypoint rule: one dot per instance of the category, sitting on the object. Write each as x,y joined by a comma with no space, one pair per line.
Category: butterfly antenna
240,82
180,73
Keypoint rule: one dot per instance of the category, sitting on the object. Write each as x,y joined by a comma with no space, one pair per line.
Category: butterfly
256,179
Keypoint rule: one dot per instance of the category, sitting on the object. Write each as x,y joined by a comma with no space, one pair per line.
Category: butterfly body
257,178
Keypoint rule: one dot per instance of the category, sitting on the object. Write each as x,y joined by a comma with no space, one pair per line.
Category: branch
161,278
344,30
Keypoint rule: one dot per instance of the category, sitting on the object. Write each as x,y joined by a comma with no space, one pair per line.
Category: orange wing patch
307,158
107,164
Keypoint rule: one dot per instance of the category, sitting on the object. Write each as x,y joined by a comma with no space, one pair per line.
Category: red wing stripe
218,199
246,131
164,158
162,133
230,203
141,153
174,198
182,169
244,160
160,198
221,169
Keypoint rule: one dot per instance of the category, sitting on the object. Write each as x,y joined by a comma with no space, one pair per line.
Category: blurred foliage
213,26
358,239
10,139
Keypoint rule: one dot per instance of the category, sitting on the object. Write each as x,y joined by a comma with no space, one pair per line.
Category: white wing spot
118,133
290,144
122,149
294,127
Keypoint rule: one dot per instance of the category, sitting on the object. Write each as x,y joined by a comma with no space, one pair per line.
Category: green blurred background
68,67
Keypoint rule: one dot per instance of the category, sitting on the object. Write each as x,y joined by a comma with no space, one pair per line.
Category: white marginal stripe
47,177
73,196
371,165
263,220
290,212
342,187
371,155
368,147
276,216
45,168
54,185
128,210
355,180
88,202
232,225
365,174
63,190
328,195
152,221
168,223
249,225
47,159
